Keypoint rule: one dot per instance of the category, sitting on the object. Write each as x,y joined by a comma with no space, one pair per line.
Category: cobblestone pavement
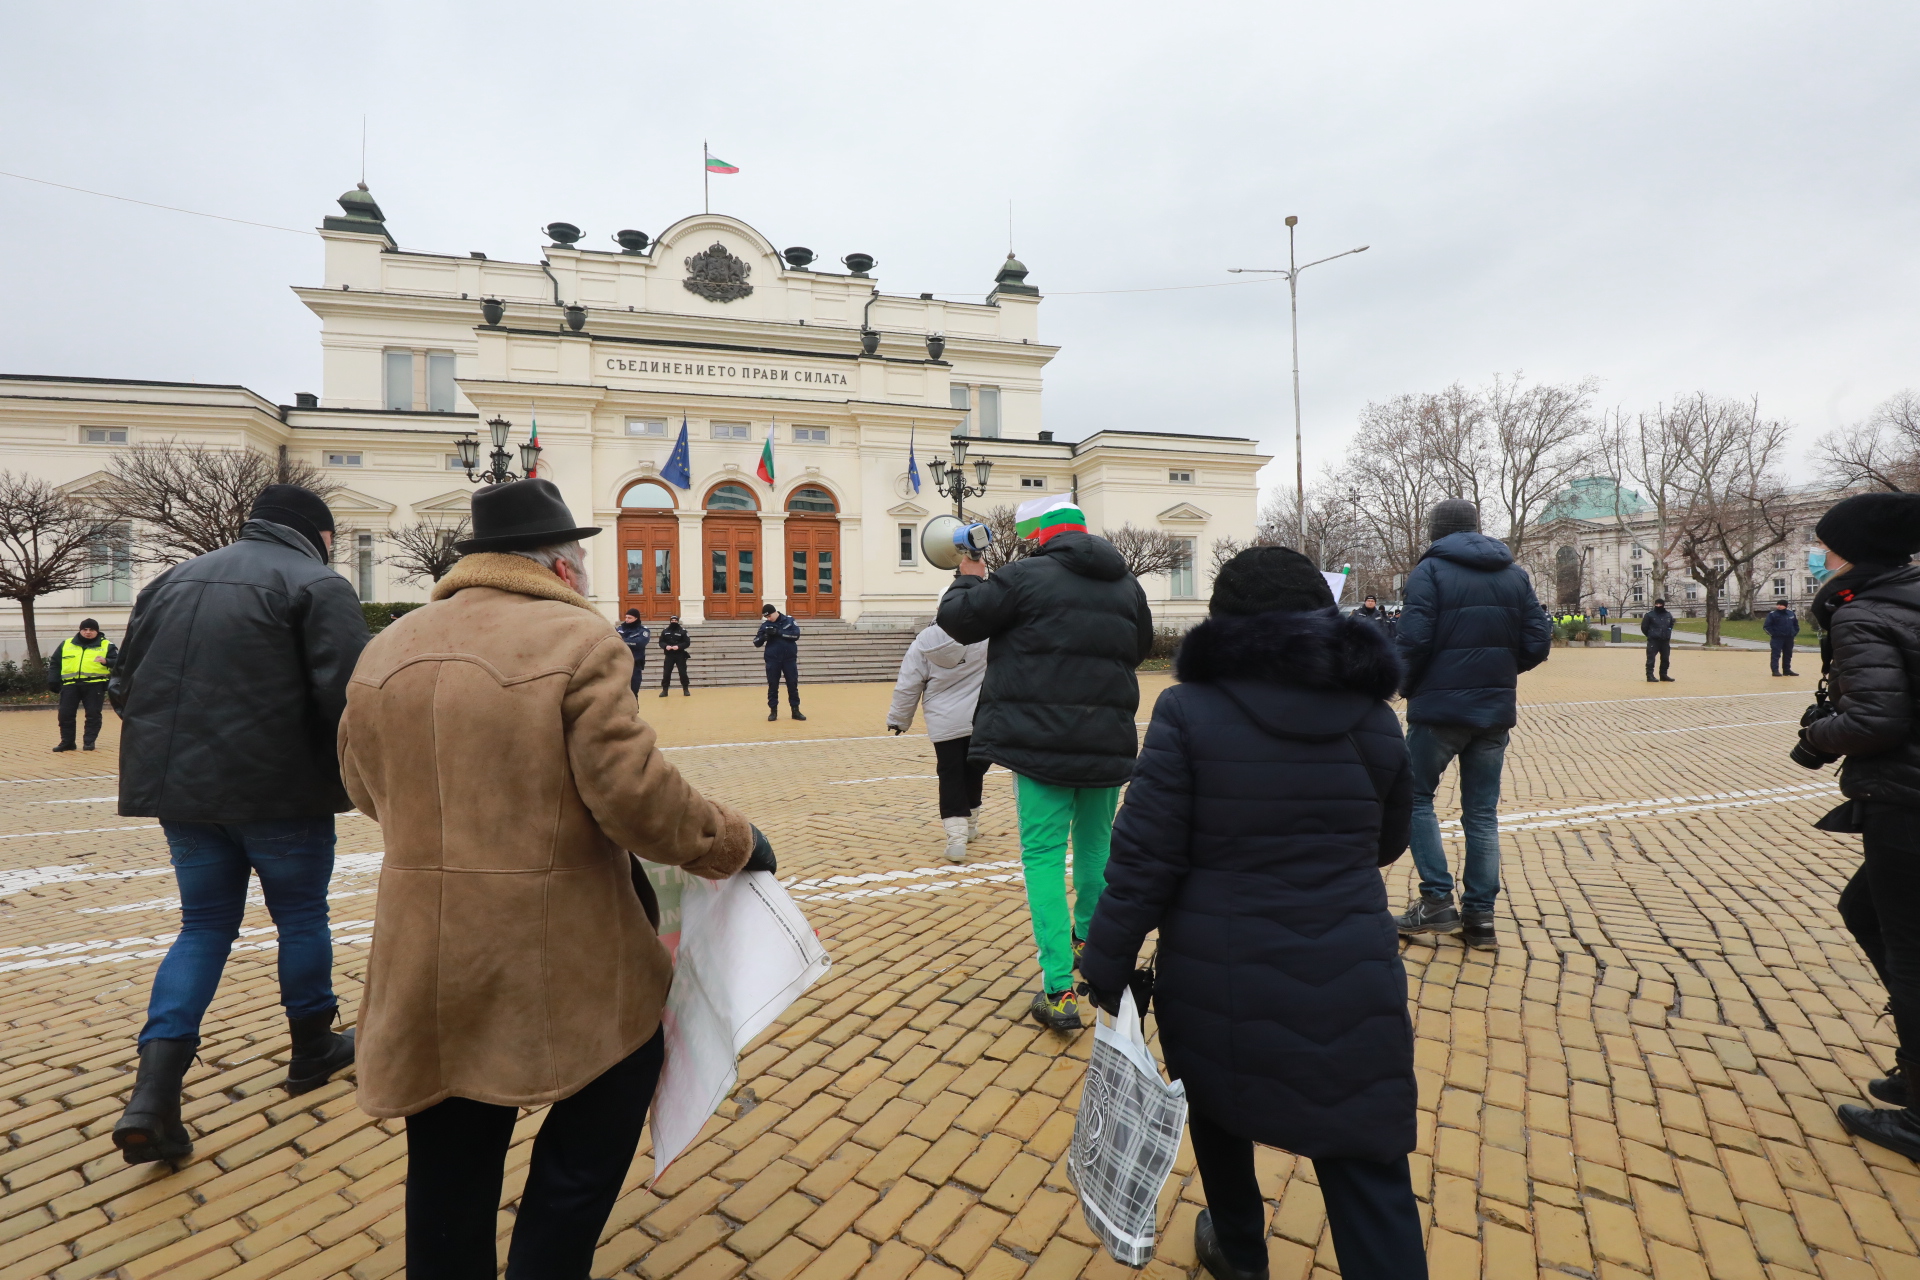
1640,1081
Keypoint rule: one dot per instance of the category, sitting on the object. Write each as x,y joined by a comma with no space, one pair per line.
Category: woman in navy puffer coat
1272,787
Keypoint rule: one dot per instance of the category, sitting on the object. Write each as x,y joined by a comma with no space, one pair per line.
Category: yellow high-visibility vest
78,665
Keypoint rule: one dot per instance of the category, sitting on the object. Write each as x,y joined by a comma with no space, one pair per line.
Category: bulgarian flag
533,438
716,165
1041,518
765,469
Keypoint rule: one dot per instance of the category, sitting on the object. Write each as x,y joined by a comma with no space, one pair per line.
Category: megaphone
945,540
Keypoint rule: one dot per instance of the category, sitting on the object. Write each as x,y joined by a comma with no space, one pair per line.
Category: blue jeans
1482,753
212,863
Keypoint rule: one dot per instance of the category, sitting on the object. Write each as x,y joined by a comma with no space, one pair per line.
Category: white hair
572,552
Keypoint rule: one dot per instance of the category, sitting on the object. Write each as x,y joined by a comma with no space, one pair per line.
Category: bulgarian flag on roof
716,165
1041,518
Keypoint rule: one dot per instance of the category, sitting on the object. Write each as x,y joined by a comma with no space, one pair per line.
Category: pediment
355,501
84,486
1184,511
907,509
454,502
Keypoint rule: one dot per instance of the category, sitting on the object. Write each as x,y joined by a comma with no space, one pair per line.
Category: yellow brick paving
1640,1082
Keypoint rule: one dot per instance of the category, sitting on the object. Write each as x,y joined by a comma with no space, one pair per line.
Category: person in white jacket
946,675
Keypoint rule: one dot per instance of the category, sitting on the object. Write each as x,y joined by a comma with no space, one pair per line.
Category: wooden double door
733,571
813,566
649,566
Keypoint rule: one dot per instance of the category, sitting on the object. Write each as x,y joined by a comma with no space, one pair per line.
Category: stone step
831,652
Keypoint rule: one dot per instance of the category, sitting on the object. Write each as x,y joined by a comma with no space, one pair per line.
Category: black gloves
1110,1003
761,859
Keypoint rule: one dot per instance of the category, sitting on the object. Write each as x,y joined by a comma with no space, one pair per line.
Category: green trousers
1049,815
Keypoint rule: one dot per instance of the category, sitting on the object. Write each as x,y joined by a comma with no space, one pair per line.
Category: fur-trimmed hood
1316,650
504,571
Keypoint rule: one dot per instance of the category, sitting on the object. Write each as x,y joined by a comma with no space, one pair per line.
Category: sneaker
1895,1130
1079,949
1891,1088
1479,932
1058,1011
1429,915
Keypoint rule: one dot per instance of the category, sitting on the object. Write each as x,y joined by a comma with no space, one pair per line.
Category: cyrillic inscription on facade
708,369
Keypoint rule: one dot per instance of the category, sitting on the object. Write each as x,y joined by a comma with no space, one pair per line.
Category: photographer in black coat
1273,785
1870,610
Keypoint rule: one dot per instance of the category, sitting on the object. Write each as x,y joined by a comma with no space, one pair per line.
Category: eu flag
913,465
679,468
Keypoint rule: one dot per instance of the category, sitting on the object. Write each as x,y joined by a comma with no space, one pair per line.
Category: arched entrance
649,551
730,538
813,553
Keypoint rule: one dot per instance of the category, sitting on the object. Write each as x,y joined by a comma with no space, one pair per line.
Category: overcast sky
1665,197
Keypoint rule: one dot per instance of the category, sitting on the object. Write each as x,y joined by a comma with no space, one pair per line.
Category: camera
1802,754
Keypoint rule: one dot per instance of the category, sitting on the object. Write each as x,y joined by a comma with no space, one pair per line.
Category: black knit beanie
1455,515
302,510
1872,528
1266,580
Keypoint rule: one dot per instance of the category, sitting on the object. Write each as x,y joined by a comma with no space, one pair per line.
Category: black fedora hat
519,516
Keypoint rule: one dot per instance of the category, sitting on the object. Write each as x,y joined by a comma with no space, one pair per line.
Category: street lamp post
1292,273
950,480
498,472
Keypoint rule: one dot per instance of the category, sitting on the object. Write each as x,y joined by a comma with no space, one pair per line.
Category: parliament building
611,352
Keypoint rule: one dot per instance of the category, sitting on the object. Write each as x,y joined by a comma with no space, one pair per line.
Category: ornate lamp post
950,479
497,473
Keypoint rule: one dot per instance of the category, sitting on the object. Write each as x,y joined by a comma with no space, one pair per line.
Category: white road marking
1702,728
88,800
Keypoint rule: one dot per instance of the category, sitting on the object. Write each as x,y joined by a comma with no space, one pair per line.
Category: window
1639,594
1808,586
960,399
1179,477
809,498
104,435
1638,551
906,544
662,571
440,381
363,564
453,462
1693,592
1181,579
746,572
731,497
1779,588
1779,559
1033,482
1639,572
826,573
343,459
112,565
809,435
731,431
719,573
399,379
648,495
990,413
647,427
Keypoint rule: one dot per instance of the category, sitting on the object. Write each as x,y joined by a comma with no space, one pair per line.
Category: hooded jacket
1657,624
1469,626
1272,787
1066,627
231,683
1874,678
947,674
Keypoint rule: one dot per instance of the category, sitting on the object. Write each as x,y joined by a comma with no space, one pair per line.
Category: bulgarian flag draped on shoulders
1042,518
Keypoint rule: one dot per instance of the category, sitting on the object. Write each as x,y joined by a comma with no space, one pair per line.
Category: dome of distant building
1593,498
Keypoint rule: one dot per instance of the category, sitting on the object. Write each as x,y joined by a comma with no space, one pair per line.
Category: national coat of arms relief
717,275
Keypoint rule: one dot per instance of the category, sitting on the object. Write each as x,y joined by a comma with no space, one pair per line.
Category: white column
851,570
692,586
775,570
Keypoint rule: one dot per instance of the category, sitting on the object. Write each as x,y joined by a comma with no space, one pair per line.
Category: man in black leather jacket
1870,609
231,685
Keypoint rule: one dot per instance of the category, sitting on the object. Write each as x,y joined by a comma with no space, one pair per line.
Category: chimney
305,400
1046,437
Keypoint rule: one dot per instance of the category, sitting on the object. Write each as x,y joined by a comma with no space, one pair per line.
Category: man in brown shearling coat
493,736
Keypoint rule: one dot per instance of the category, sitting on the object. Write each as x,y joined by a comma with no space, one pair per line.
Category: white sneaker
956,829
973,825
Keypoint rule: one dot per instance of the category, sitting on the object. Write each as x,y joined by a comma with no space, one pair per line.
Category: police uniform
779,639
79,672
674,643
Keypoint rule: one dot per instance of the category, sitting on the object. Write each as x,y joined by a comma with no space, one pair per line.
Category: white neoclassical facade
610,352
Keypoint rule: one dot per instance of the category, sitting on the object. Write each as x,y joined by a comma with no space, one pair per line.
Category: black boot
1429,915
150,1128
1206,1245
773,715
1895,1130
1479,932
318,1051
797,715
1894,1087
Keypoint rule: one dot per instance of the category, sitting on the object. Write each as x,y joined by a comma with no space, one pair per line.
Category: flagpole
706,180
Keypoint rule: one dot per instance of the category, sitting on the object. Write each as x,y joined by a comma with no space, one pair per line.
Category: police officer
781,637
674,643
638,636
78,673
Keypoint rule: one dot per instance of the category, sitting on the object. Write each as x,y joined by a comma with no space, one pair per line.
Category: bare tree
424,552
1736,506
1652,451
48,542
1883,451
1388,483
1540,439
1148,551
185,500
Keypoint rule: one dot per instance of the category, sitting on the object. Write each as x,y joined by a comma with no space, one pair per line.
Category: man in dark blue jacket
1656,624
1470,625
779,638
1781,626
